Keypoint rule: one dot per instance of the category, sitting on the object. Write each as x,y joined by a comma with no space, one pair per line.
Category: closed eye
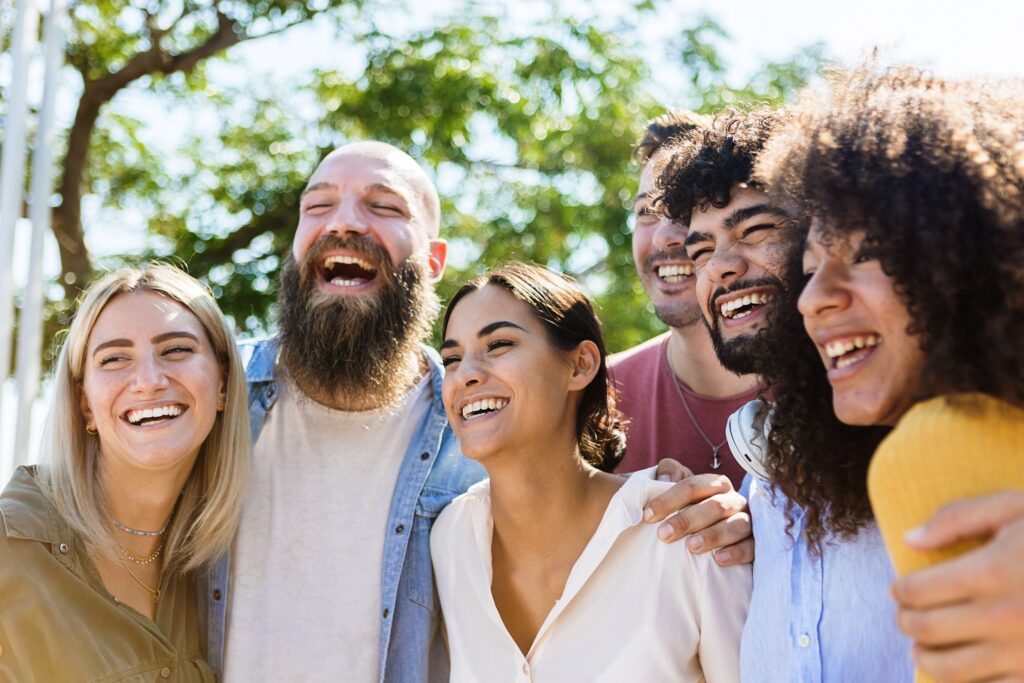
499,343
753,229
113,358
178,350
448,360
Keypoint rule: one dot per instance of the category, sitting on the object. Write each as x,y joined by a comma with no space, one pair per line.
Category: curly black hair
662,129
933,171
709,161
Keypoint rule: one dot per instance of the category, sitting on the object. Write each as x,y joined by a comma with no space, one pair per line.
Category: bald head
402,168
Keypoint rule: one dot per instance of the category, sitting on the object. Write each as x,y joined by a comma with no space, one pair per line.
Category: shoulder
957,418
24,510
258,357
457,524
641,355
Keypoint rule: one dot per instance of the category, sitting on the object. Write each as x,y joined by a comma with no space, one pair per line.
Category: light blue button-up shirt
824,618
433,472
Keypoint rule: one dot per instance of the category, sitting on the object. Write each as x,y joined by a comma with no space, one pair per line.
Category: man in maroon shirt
674,392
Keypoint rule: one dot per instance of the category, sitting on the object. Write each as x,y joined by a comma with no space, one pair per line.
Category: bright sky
953,38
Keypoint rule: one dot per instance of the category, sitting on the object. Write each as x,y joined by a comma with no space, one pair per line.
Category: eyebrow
747,212
484,331
318,186
156,340
641,195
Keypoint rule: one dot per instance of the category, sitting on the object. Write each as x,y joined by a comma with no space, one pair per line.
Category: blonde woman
144,463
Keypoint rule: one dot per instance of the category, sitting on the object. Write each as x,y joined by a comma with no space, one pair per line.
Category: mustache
358,243
745,284
665,255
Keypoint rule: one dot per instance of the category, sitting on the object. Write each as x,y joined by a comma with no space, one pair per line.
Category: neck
143,500
692,359
406,374
532,497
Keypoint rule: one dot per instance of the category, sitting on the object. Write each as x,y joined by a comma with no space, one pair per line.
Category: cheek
305,235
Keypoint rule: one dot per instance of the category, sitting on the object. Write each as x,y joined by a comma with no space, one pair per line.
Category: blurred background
185,129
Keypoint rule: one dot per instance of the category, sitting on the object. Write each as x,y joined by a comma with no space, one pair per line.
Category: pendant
715,462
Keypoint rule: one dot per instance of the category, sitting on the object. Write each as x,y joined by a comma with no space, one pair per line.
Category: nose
149,377
824,293
669,234
347,219
726,265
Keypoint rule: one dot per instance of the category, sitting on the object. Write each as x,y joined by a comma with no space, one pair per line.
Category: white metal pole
12,171
30,332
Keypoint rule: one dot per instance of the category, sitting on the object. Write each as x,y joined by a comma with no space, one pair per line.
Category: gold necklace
141,560
154,592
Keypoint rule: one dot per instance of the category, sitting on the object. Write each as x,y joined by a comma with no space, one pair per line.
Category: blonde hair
208,511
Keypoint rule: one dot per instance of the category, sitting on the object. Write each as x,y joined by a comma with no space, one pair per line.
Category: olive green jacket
59,623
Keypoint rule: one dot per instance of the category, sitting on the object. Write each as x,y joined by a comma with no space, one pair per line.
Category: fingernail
694,542
648,514
664,532
722,555
915,535
664,477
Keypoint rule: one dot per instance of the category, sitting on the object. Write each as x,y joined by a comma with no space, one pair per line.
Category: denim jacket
433,472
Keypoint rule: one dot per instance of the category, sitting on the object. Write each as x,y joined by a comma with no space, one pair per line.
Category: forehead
141,314
486,305
712,219
358,171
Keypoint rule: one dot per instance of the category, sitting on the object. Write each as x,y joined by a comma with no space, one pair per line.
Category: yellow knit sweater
944,449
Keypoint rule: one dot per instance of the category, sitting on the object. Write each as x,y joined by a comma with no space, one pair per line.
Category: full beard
354,350
743,355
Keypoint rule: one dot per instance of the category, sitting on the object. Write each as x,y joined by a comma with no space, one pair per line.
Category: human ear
585,360
83,404
437,257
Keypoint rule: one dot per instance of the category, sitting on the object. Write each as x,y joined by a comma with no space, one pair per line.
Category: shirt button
165,672
804,640
526,668
424,456
400,528
386,613
63,548
217,594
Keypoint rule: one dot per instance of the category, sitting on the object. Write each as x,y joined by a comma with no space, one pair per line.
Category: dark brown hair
568,317
932,171
662,129
710,161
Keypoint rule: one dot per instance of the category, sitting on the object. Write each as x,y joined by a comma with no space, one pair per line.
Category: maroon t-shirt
659,426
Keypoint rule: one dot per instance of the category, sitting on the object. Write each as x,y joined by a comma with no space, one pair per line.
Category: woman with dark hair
914,189
545,570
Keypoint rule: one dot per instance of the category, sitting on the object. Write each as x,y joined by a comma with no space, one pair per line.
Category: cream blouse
633,609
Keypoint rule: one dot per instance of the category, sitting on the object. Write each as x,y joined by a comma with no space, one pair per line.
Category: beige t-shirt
305,598
633,609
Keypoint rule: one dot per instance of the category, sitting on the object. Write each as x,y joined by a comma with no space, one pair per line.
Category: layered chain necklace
126,554
716,462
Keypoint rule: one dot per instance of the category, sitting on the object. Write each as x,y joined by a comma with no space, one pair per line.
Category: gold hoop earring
90,427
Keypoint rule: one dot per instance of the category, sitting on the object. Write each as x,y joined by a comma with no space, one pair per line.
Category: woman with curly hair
546,571
914,190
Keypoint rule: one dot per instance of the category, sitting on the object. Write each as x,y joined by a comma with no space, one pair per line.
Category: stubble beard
678,316
357,352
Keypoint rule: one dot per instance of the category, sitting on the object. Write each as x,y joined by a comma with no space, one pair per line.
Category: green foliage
529,135
527,127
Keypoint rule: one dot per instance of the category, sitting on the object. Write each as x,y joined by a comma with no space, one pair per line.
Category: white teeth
844,346
137,416
675,273
335,260
474,409
755,299
342,282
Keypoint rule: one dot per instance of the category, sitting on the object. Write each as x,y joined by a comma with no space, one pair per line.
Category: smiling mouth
148,416
477,409
675,273
347,271
743,306
844,352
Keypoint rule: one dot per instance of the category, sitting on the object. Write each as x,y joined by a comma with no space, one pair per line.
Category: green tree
529,133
